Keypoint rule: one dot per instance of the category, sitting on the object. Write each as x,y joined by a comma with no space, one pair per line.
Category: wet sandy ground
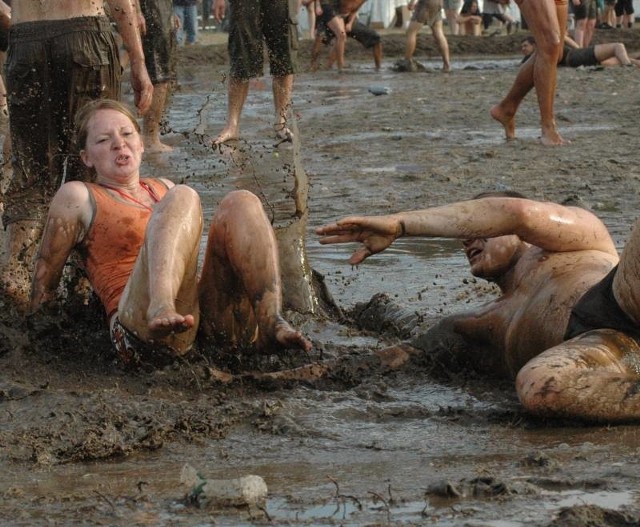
84,443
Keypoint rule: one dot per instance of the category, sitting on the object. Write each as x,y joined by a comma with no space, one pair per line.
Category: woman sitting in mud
139,241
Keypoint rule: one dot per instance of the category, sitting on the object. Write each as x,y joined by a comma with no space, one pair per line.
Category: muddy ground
86,443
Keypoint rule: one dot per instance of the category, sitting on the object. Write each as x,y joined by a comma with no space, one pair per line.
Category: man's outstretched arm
547,225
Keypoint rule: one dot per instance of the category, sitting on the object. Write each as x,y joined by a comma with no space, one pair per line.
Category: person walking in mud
547,21
427,12
337,21
139,241
567,322
251,21
60,55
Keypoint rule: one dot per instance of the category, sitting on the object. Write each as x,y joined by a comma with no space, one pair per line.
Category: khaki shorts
427,12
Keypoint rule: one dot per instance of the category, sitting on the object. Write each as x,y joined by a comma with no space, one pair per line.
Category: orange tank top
113,241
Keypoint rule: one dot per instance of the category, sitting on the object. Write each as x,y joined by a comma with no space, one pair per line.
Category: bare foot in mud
551,137
152,146
283,134
167,321
506,119
284,336
230,133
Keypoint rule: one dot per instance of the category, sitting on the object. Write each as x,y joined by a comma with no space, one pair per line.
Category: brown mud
85,443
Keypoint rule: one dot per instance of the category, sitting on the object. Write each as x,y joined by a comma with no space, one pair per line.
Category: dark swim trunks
159,41
136,353
598,309
252,22
577,57
53,68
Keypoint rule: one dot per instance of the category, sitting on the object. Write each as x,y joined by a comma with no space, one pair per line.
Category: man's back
36,10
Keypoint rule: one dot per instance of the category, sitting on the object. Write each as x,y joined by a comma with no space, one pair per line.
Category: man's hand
142,87
219,8
375,233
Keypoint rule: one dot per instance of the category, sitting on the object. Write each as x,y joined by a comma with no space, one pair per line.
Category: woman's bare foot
167,321
282,335
506,119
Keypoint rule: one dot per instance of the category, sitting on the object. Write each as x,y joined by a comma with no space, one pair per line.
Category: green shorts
253,21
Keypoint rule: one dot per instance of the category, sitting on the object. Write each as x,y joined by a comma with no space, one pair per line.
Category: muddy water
383,450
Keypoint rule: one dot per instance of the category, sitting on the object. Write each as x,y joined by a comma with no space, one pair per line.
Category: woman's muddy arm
69,216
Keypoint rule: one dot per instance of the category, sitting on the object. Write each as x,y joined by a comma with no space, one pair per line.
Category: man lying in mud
567,322
139,241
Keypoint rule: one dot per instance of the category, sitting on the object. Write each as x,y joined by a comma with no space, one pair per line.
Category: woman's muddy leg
240,286
160,299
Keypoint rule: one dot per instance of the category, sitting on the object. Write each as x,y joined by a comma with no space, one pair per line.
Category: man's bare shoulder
41,10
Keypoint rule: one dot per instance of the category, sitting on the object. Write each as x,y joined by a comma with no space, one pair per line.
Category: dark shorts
253,21
598,309
52,69
135,353
587,9
624,7
159,42
577,57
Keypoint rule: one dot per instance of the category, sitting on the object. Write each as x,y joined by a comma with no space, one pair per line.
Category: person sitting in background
573,56
470,18
139,242
496,9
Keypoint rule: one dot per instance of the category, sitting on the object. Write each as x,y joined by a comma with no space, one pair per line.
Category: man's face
527,48
491,258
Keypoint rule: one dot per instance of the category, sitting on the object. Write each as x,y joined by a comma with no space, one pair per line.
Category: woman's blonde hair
86,112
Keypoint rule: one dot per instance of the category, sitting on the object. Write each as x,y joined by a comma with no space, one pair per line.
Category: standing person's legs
281,37
159,46
191,24
68,69
246,58
412,38
336,25
160,301
282,87
547,21
179,11
152,119
443,45
237,94
451,11
240,286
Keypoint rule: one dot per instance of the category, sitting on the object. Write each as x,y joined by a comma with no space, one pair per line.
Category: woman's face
114,147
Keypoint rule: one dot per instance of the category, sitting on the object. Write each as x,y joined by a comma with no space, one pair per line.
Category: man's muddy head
528,45
492,258
84,115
